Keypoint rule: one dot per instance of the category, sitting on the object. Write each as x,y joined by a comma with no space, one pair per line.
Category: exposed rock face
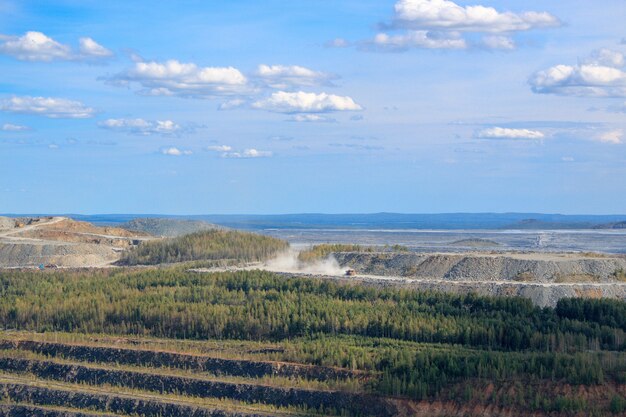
13,255
6,223
541,295
484,267
59,241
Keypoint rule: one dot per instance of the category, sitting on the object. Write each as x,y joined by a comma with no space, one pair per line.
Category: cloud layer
10,127
301,102
228,152
174,78
54,108
447,15
36,46
600,75
141,127
284,77
173,151
613,137
508,133
443,24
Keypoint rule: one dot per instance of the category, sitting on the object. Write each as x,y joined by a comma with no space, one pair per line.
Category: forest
205,245
417,342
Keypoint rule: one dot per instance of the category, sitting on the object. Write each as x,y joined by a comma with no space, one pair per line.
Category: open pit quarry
542,277
61,242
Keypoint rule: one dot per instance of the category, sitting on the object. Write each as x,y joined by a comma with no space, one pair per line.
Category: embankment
538,267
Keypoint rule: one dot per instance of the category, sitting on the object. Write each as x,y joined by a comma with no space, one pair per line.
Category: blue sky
194,107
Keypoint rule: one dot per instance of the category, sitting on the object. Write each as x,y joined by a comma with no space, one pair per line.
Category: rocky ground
480,266
61,242
542,277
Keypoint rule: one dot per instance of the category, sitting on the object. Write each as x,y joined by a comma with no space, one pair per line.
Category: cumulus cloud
141,127
286,77
613,137
174,78
90,48
315,118
232,104
447,15
301,102
507,133
441,24
172,151
248,153
498,42
600,75
54,108
418,39
9,127
219,148
228,152
36,46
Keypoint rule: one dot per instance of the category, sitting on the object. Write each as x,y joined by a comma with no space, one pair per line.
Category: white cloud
90,48
248,153
311,118
172,151
301,102
498,42
613,137
36,46
55,108
447,15
418,39
141,126
184,79
441,24
232,104
285,77
605,57
227,152
598,76
507,133
9,127
567,159
219,148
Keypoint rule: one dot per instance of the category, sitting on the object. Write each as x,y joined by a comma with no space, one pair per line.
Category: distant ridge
442,221
168,227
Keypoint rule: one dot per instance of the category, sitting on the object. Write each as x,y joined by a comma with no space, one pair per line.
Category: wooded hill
205,245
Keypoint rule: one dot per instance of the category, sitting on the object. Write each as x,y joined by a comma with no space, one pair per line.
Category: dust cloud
288,262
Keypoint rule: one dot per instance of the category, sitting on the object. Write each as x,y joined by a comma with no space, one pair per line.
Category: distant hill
536,224
395,221
168,227
615,225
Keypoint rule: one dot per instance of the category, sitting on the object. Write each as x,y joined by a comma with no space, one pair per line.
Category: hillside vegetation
206,245
322,251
